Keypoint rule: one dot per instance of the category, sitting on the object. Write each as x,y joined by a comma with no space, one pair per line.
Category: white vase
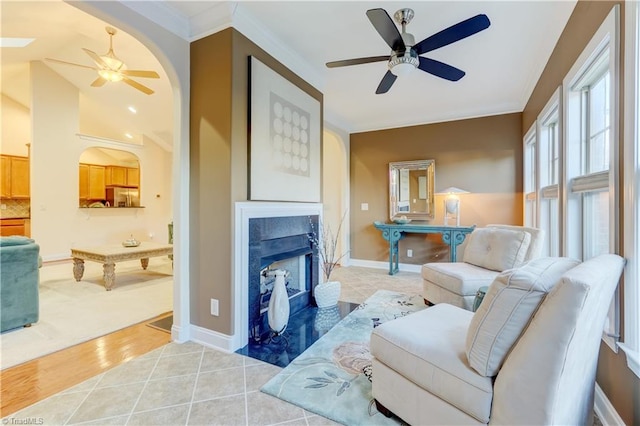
278,312
326,318
327,294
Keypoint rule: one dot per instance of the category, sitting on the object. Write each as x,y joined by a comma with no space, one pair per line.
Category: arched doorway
335,186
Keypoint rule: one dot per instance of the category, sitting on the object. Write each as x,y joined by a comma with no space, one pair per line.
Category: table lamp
452,204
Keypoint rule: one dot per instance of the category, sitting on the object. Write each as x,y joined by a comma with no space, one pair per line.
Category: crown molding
163,15
255,31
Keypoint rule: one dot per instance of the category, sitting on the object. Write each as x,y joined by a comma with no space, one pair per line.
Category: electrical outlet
409,253
151,235
364,206
3,206
214,307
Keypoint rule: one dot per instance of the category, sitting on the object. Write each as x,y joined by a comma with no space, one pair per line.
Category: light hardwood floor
33,381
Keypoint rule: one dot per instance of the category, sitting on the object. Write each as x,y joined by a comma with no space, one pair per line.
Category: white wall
16,128
57,223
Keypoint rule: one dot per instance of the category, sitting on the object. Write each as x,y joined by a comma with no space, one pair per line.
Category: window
530,173
631,338
549,168
591,153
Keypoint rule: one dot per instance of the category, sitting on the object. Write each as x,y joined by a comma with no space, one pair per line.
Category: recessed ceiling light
133,109
129,135
15,41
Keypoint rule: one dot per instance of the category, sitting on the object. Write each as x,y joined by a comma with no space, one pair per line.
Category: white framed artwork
285,134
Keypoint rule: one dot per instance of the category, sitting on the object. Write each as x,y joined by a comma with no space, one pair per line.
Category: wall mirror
109,178
411,189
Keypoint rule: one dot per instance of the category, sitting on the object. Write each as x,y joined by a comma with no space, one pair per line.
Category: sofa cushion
507,308
497,249
427,348
15,240
458,277
537,239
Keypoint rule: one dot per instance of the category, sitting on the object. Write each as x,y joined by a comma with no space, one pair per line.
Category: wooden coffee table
108,255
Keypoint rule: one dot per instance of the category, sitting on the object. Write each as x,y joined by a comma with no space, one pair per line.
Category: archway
173,54
335,186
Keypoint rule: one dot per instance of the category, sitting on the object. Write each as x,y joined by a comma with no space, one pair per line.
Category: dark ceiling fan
405,55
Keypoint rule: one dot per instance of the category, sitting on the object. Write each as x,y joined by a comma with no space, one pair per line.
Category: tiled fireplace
280,243
270,235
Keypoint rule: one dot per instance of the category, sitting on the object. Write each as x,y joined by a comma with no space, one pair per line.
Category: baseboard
404,267
178,334
212,339
604,409
55,258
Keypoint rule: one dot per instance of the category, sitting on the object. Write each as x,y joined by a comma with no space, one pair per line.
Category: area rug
73,312
163,324
331,377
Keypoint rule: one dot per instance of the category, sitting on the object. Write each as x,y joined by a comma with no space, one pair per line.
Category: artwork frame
284,139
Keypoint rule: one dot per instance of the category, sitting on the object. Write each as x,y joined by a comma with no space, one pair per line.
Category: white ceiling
502,63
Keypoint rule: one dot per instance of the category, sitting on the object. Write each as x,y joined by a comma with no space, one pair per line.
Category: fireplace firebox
280,243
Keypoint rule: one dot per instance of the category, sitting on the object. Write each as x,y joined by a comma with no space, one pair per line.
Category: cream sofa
488,252
527,356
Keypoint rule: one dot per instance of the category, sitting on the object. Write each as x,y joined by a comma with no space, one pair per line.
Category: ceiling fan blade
452,34
356,61
98,82
386,83
57,61
440,69
140,73
135,84
96,58
383,23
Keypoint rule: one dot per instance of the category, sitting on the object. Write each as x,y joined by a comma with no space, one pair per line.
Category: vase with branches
327,242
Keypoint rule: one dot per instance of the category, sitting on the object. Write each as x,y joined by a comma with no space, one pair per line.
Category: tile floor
189,384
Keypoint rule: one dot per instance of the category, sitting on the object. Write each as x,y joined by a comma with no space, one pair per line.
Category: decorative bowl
402,221
132,242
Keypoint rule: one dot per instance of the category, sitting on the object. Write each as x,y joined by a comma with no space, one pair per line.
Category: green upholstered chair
19,279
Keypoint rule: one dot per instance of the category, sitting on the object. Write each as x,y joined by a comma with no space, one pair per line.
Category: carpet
330,378
73,312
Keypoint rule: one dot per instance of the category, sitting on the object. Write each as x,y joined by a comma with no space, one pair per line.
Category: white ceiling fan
111,68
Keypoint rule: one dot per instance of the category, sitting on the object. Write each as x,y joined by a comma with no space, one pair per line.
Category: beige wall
16,128
218,156
481,155
617,381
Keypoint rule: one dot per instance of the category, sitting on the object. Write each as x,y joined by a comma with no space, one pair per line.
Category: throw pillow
507,308
497,249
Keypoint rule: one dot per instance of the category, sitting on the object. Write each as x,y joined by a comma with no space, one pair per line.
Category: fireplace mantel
244,211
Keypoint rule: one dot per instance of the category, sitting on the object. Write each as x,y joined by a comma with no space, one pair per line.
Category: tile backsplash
14,208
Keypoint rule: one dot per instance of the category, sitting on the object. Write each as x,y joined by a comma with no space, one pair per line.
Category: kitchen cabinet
84,181
12,227
133,177
116,176
97,182
122,176
15,177
5,184
92,182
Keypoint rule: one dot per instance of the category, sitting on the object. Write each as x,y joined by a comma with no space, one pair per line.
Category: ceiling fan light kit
405,54
111,68
403,65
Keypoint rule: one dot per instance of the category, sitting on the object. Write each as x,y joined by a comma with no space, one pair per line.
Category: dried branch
327,243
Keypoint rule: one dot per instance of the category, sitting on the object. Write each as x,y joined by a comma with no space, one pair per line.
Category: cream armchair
488,252
527,356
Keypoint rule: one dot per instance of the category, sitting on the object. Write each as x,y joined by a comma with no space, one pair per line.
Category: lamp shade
452,190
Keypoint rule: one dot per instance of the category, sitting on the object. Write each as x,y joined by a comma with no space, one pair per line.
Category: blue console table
393,232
